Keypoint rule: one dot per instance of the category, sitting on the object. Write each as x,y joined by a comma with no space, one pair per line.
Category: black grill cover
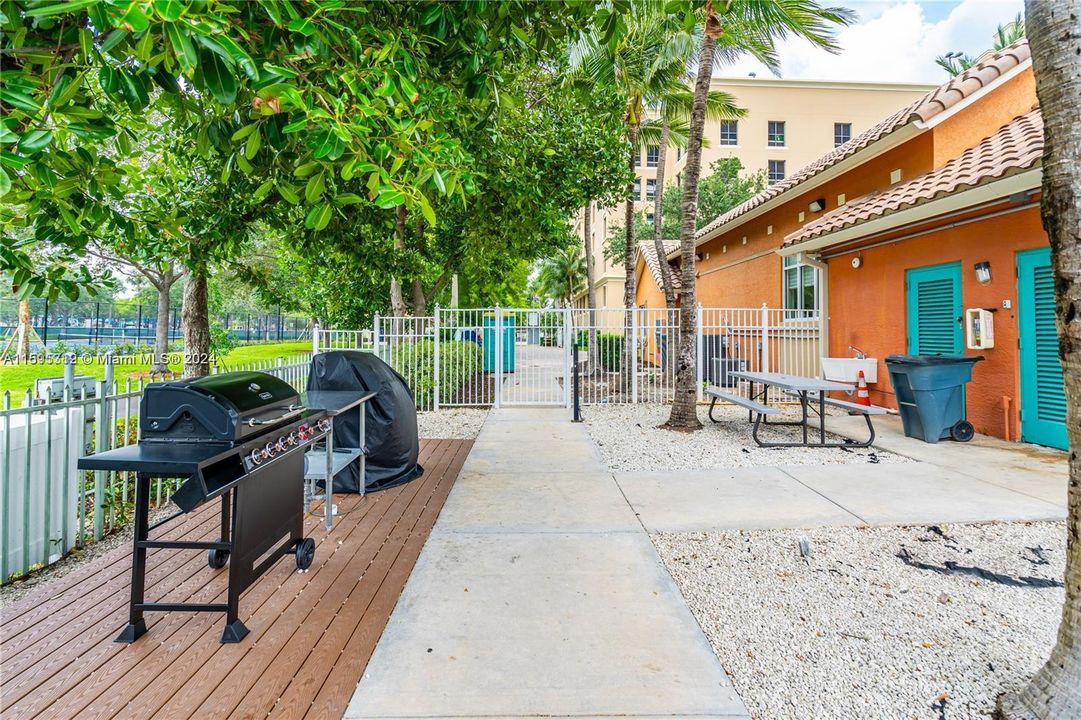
390,424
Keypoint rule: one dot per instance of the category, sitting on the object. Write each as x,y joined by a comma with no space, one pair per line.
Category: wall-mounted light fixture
818,205
983,272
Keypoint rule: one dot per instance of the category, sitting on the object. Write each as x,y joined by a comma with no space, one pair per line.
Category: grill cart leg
136,626
235,630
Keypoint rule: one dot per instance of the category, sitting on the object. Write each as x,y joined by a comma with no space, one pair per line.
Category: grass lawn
19,378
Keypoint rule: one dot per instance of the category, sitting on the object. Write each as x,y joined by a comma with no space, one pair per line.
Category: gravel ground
629,439
451,423
853,631
40,579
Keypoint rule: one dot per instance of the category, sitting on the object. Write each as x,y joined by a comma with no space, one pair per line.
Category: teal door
934,310
1043,396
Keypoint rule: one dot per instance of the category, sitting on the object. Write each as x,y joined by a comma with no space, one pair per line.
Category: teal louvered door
1043,397
934,310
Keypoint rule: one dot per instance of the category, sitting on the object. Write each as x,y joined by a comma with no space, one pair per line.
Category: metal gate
503,356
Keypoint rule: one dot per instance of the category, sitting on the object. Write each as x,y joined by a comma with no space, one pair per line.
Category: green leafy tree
562,275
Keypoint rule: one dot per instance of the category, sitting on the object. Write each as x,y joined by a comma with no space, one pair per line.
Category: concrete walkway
539,594
986,480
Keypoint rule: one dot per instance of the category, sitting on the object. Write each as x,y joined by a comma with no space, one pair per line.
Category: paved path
540,594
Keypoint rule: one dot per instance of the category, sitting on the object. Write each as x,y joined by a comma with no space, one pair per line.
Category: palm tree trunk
195,316
658,244
1055,36
684,403
629,294
591,292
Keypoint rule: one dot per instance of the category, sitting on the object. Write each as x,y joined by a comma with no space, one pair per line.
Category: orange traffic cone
863,397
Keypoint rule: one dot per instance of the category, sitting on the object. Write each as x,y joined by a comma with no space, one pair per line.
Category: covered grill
239,436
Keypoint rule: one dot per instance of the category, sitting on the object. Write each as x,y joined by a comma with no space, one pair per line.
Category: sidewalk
539,593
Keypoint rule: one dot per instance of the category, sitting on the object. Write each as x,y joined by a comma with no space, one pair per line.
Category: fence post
375,336
435,362
498,357
569,340
5,480
101,444
634,355
699,360
315,339
764,360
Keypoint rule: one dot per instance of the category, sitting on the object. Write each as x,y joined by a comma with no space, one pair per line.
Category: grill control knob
269,451
291,440
303,432
324,425
280,445
256,457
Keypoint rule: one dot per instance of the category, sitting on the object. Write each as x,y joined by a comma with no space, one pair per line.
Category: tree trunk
684,403
397,304
25,329
658,243
1054,31
195,317
629,294
591,292
161,328
420,303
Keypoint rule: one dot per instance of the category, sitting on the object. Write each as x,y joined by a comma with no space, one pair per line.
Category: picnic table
812,395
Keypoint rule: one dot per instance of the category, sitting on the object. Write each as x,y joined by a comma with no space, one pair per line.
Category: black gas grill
239,436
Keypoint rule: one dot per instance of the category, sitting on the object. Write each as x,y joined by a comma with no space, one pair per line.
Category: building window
730,132
653,154
638,159
649,218
638,189
775,133
800,290
776,171
842,133
679,154
679,179
651,189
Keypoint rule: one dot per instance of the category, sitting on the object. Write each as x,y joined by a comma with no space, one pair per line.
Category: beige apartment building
789,124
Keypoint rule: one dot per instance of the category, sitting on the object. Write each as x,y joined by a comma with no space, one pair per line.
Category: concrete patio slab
537,502
727,499
540,625
914,493
539,455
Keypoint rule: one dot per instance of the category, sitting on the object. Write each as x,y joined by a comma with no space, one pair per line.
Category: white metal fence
524,356
47,505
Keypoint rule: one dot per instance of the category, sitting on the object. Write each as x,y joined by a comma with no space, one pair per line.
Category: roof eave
952,202
945,115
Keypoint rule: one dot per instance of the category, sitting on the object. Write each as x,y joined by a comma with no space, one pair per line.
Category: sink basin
848,369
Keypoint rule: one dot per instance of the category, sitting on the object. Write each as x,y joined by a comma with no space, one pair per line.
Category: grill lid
246,391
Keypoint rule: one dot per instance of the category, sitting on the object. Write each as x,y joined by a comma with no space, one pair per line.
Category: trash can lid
932,359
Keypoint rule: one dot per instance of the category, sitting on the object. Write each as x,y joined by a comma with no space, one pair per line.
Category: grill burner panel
239,437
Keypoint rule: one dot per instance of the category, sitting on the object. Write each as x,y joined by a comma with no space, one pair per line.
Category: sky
892,41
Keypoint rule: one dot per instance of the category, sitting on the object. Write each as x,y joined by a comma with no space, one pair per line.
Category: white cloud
892,42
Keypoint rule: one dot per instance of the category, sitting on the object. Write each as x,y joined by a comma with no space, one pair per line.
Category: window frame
837,126
771,134
769,171
807,279
726,139
637,189
653,155
651,182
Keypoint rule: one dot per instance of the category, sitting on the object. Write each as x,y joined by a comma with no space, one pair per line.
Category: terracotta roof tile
1016,147
938,100
649,255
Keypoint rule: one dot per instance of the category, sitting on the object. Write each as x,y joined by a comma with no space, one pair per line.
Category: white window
842,133
638,188
651,189
775,172
729,132
653,154
775,133
638,158
800,290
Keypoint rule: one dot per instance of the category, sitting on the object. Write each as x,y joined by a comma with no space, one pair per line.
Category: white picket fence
525,356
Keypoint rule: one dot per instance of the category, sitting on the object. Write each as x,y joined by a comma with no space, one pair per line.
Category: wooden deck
311,633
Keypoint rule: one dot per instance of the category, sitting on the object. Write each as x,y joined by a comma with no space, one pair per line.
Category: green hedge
610,348
459,361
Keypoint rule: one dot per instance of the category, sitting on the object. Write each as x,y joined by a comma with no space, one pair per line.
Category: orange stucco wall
867,306
647,292
984,117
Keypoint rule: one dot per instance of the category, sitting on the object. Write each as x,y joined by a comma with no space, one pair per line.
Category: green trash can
930,394
488,325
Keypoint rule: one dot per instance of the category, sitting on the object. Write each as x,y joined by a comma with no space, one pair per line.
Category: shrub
609,348
459,362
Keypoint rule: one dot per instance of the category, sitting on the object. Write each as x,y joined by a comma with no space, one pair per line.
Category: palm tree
956,63
742,26
674,113
1055,690
562,275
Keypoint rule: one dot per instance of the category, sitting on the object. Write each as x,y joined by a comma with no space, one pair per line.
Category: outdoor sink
848,369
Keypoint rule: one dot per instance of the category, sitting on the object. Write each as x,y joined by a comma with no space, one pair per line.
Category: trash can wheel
962,431
217,558
305,553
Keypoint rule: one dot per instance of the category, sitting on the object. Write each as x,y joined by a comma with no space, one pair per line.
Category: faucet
860,354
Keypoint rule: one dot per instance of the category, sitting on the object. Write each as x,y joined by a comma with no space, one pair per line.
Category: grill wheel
217,558
305,553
